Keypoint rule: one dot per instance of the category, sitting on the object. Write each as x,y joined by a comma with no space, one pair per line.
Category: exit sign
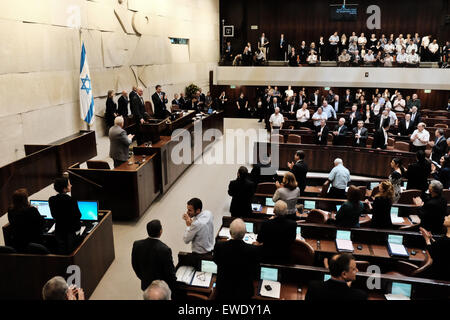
232,87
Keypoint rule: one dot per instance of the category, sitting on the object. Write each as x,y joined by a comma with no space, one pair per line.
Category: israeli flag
86,98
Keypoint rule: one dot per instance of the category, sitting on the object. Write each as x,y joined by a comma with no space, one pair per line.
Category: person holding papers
151,259
381,206
433,211
348,214
200,227
237,264
439,250
288,192
241,190
343,272
277,235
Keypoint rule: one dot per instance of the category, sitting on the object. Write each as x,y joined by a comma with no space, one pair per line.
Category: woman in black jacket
381,207
67,215
25,220
111,109
442,174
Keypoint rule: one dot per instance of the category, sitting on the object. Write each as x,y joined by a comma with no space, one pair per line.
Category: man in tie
123,105
415,116
139,114
119,142
291,109
439,145
159,103
348,99
337,105
314,99
360,135
175,101
322,133
182,101
132,94
339,133
353,117
406,126
283,48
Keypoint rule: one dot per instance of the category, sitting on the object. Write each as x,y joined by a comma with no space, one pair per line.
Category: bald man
123,105
237,264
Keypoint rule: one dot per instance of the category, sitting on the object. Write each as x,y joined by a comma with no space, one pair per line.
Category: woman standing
111,109
288,191
396,177
381,207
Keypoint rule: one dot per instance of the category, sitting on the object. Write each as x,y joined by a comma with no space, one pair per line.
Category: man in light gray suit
120,142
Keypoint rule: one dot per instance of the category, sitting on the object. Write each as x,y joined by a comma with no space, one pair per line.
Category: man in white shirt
399,103
399,40
263,45
289,92
434,51
200,227
369,58
276,120
413,59
420,138
344,58
303,113
312,58
318,116
392,116
334,40
401,58
362,40
389,48
411,46
399,48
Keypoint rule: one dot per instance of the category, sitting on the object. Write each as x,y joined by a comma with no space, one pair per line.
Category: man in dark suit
277,235
348,99
182,101
440,146
353,117
322,133
159,103
282,48
382,119
176,100
290,109
152,259
299,169
380,137
360,135
237,264
123,105
339,133
418,173
330,97
433,212
343,272
241,190
139,114
132,94
338,105
315,99
416,118
406,126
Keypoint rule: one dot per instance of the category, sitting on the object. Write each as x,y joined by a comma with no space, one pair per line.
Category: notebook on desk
343,241
396,247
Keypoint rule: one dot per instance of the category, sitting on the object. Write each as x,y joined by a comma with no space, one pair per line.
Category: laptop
43,208
269,202
249,227
394,216
299,233
256,207
269,285
89,210
396,247
209,266
326,277
373,185
343,241
338,207
309,205
210,111
399,291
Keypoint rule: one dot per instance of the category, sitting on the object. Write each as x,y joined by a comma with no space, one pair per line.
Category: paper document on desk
281,173
185,274
397,219
344,245
250,238
202,279
414,219
370,216
396,297
275,289
398,249
270,211
225,232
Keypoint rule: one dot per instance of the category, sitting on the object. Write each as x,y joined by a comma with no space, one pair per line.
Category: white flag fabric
87,107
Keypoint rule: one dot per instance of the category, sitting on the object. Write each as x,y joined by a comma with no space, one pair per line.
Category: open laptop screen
43,208
89,210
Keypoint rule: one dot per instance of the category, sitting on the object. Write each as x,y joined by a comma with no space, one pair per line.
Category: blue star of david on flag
84,87
87,107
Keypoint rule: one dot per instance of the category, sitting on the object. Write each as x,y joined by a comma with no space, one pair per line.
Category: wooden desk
128,190
354,158
168,169
22,276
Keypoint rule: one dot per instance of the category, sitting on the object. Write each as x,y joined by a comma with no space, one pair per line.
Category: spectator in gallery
413,59
312,58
